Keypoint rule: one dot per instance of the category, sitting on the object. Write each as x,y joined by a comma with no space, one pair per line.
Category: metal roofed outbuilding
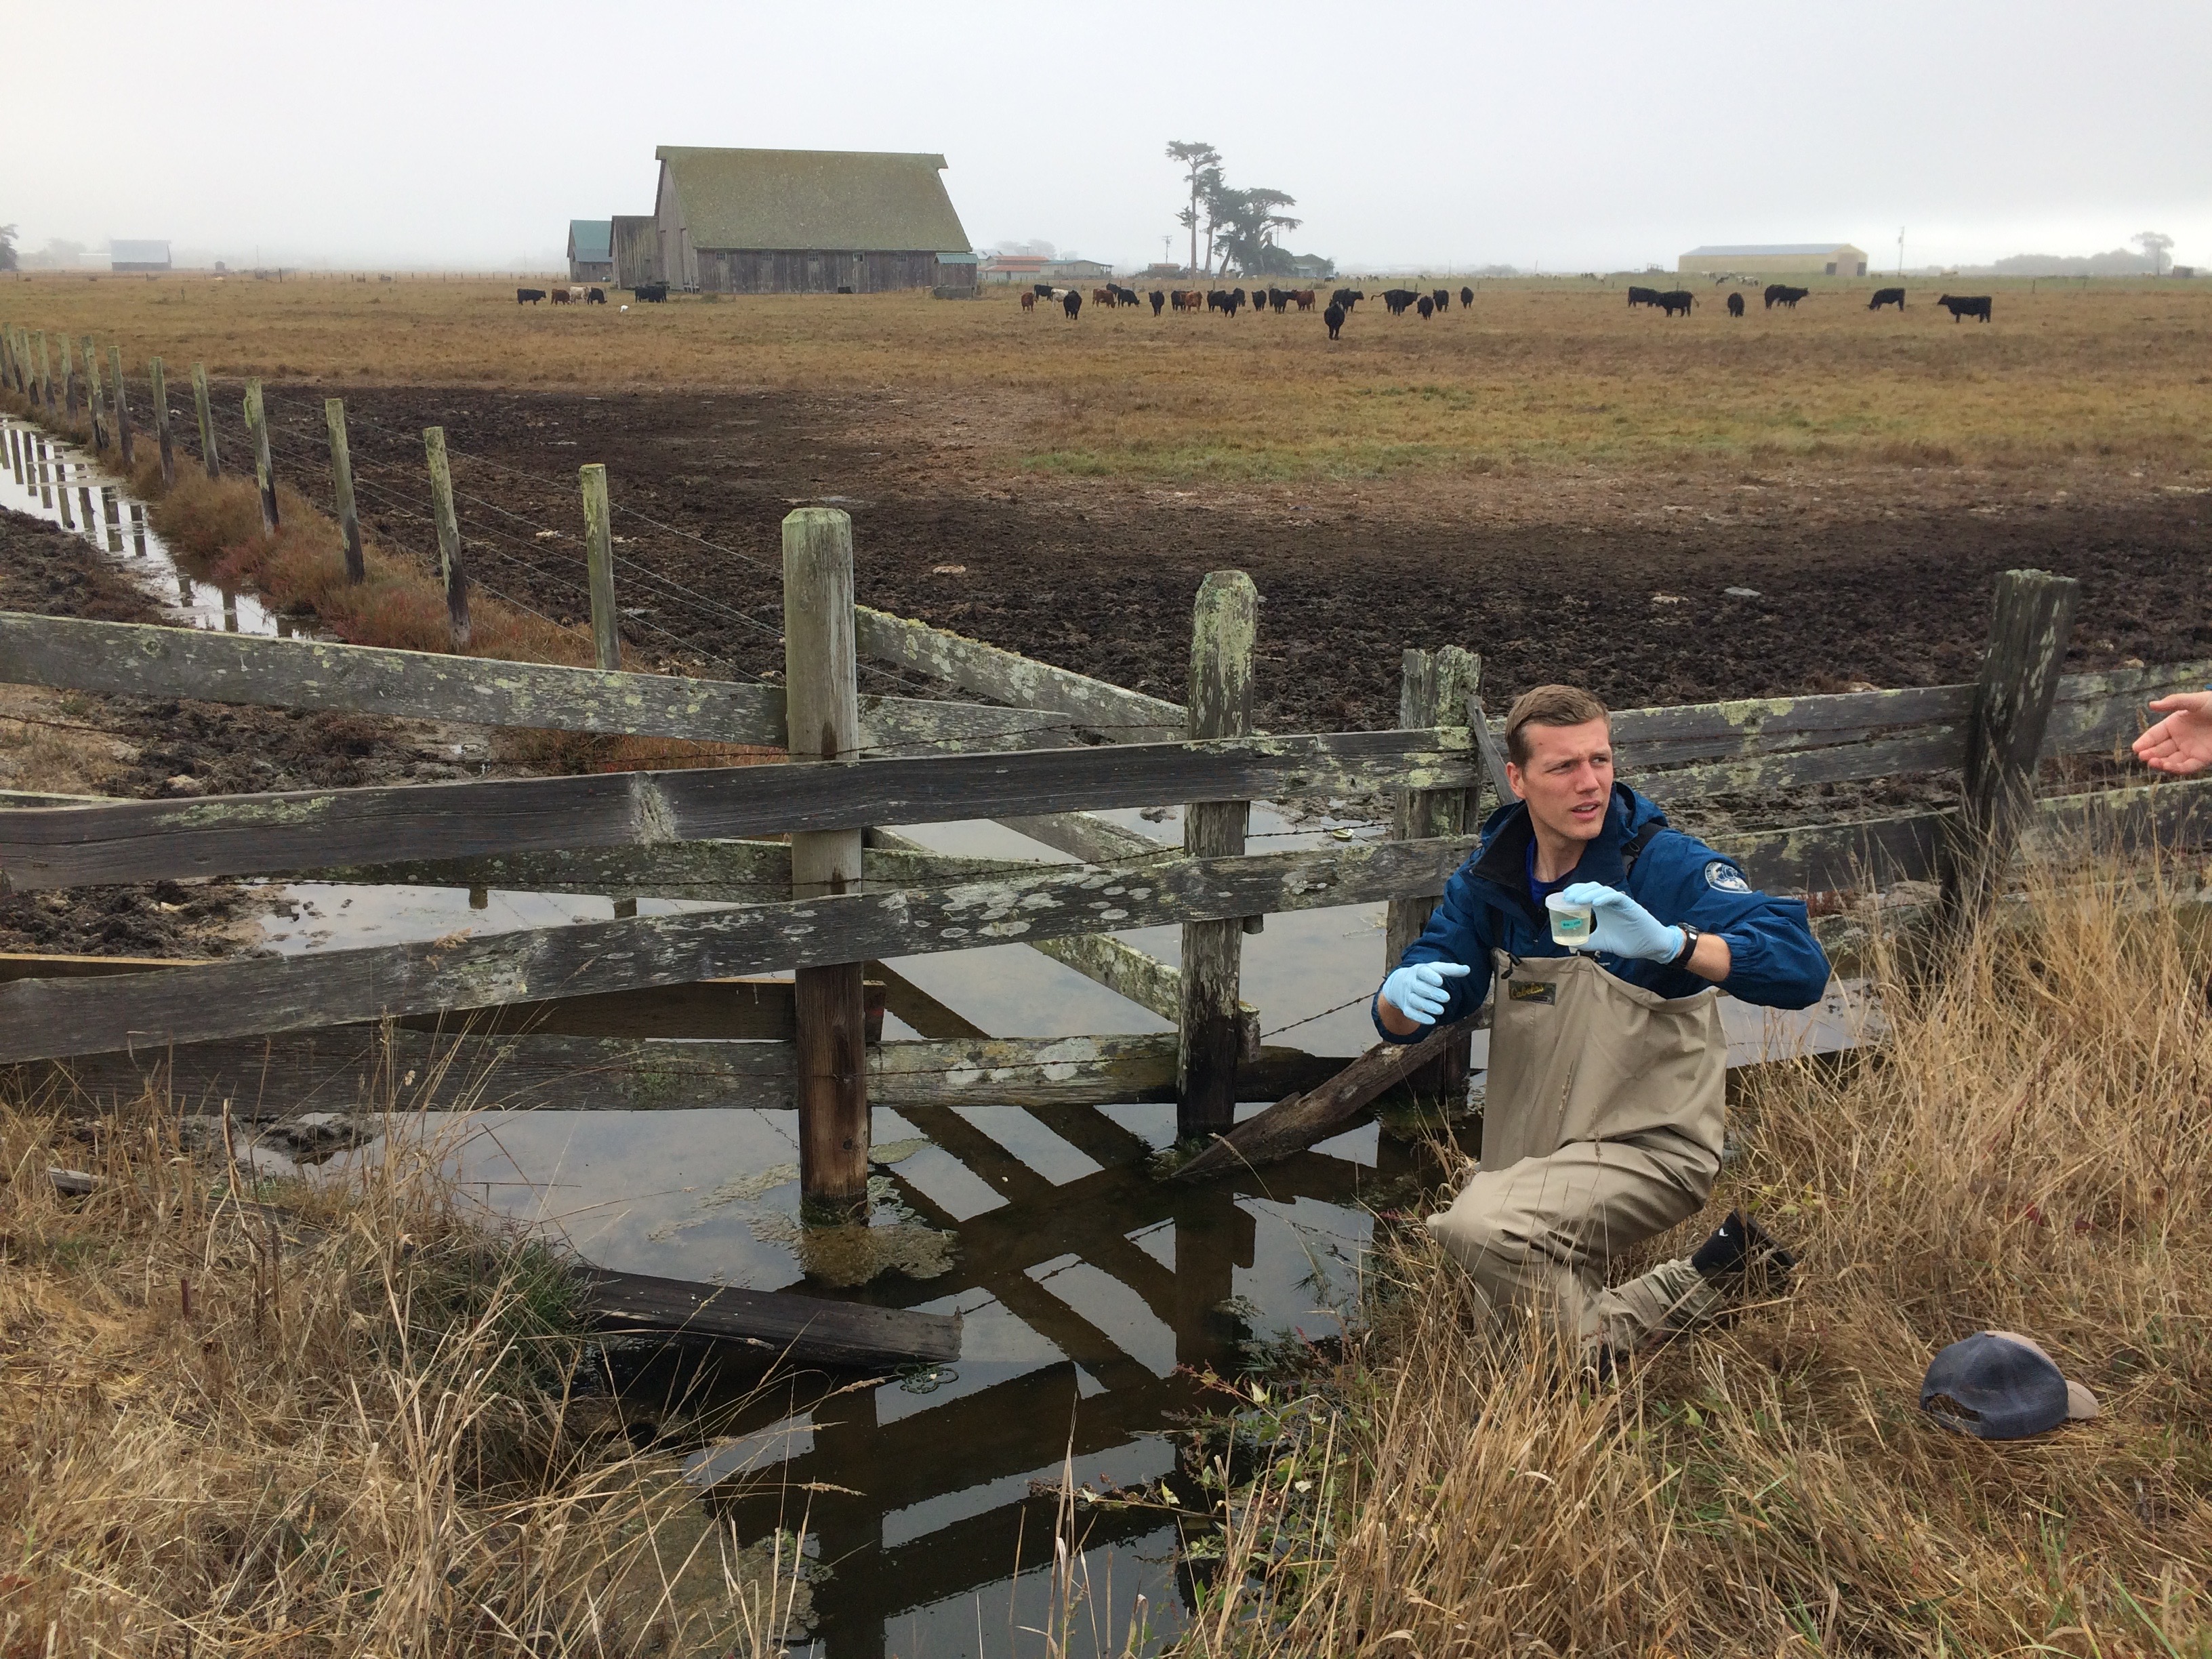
807,221
590,250
137,256
1774,259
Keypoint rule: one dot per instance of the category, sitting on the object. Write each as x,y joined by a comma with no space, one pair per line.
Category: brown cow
1028,303
1104,296
1304,298
559,296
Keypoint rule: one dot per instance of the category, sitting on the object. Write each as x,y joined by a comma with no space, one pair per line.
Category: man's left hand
1622,927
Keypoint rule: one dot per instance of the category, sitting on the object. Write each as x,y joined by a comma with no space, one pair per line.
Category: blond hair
1548,705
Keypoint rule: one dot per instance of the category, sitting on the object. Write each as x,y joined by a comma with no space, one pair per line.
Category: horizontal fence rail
265,835
141,660
248,998
990,672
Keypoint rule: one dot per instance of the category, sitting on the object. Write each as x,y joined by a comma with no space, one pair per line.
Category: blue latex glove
1419,992
1620,927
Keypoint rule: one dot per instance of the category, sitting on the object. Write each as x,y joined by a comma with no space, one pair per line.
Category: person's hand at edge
1620,927
2181,744
1417,990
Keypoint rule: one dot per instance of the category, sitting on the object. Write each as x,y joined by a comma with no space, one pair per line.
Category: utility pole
1900,250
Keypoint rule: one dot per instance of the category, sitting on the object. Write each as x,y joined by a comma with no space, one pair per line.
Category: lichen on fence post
450,569
265,470
122,411
157,388
341,488
1224,627
599,562
202,407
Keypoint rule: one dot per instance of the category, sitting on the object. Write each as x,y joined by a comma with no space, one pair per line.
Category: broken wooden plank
254,996
924,1012
1297,1120
1092,839
138,660
806,1329
271,834
378,1068
1011,677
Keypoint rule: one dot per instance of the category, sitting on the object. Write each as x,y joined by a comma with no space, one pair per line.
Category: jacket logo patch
1535,990
1724,876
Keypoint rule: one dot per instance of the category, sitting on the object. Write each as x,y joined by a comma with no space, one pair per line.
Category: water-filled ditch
1090,1294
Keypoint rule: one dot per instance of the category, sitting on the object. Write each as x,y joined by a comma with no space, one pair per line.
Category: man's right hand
1419,991
2181,744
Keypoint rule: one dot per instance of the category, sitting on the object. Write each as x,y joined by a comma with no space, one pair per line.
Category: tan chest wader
1602,1126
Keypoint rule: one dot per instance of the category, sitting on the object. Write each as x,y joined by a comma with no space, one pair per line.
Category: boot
1743,1259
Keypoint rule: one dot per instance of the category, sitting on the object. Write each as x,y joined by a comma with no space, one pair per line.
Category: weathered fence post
264,471
1432,690
822,713
7,356
342,487
122,411
158,389
46,371
94,402
68,380
61,488
600,561
2033,615
450,569
1224,626
45,479
202,408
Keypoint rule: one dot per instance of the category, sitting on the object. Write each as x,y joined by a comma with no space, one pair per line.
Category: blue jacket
1776,961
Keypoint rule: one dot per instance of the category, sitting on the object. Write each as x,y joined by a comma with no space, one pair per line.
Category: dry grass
2027,1152
345,1431
1538,374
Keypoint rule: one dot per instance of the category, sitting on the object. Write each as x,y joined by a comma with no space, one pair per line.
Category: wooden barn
807,221
591,251
637,249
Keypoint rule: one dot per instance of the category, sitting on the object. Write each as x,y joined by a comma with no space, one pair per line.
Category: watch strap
1690,937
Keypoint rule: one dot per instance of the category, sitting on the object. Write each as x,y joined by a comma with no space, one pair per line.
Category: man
1604,1111
2181,744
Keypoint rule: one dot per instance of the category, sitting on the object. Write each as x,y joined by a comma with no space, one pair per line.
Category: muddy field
1858,576
149,748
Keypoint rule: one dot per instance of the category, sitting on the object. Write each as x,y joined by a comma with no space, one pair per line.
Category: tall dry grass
340,1428
2028,1151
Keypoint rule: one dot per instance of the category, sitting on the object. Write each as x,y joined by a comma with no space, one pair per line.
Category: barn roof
813,198
1766,250
592,242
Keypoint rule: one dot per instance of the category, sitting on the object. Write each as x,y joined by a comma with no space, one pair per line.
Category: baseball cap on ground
2001,1386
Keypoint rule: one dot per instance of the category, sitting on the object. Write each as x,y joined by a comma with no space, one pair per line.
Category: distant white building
1775,259
138,256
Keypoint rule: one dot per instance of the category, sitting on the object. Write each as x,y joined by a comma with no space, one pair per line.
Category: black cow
1977,306
1886,297
651,293
1042,290
1465,298
1443,297
597,296
1426,306
1072,303
1398,300
1676,300
528,296
1781,294
1160,301
1643,296
1736,305
1335,317
1347,298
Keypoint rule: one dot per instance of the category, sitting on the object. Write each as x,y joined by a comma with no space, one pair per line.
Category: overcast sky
1587,137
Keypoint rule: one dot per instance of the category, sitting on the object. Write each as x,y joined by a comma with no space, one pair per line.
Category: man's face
1568,780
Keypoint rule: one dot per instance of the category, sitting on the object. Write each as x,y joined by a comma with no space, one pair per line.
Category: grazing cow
1160,301
1443,297
1398,300
1426,306
1104,296
1465,298
1072,303
1977,307
1346,297
1028,304
1335,317
1886,297
1781,294
1736,305
528,296
1643,296
597,296
1303,299
1042,290
1676,300
576,292
560,296
652,292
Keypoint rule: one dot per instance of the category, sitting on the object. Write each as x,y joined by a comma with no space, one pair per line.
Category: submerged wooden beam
255,996
378,1069
808,1328
988,671
302,829
138,659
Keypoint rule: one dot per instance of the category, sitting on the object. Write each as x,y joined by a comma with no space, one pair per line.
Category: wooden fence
840,888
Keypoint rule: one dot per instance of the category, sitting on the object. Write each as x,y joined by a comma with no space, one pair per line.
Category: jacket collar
1503,861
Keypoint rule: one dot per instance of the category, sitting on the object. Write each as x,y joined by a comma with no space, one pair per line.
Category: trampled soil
1881,577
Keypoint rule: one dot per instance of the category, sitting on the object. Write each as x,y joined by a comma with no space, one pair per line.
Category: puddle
65,484
1089,1293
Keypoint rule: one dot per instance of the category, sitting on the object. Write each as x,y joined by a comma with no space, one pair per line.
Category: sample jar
1571,922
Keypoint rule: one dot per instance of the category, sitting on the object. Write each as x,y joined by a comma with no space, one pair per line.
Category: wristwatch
1690,937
